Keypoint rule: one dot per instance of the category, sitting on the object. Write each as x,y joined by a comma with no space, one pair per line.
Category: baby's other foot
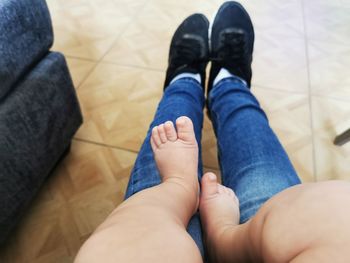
219,211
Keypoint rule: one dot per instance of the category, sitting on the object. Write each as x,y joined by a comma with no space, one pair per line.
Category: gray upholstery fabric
25,37
37,122
39,110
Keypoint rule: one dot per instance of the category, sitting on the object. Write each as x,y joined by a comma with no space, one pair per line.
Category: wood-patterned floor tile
54,5
88,28
335,3
274,17
328,69
146,41
118,105
328,21
280,63
330,118
79,69
75,199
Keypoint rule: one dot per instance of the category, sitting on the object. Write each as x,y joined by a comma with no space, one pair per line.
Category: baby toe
170,131
155,137
162,134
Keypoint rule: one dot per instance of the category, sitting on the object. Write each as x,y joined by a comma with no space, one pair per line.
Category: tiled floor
117,54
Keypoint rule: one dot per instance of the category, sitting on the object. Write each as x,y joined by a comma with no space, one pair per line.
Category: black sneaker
189,49
232,42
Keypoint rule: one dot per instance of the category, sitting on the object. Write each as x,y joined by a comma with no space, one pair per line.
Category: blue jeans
252,161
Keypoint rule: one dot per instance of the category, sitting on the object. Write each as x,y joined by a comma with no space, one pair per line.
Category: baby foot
219,211
176,154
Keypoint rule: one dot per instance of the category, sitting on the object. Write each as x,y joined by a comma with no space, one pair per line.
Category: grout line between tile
87,75
104,145
309,92
133,66
80,58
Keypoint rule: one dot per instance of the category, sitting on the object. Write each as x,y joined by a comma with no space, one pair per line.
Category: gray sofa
39,110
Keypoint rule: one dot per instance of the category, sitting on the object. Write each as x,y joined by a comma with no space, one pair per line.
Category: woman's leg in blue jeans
184,97
253,162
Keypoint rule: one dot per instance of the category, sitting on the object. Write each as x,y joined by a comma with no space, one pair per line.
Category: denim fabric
252,161
25,37
37,121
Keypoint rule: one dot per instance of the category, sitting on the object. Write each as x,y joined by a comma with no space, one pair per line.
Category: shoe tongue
232,36
197,43
187,51
231,45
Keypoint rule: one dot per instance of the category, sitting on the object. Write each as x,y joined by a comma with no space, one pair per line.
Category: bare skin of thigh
305,223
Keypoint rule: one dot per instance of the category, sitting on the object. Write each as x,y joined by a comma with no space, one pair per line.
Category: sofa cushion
37,123
25,37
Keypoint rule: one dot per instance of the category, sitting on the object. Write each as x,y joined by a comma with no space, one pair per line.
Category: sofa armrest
37,123
25,37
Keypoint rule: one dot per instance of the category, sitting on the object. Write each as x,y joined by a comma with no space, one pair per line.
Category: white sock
187,75
223,74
